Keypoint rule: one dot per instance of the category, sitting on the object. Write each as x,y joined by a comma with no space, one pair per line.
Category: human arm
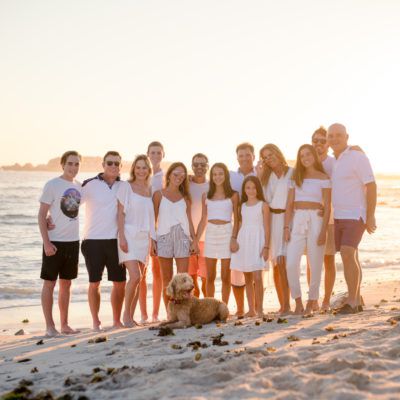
371,195
235,230
267,230
288,215
123,244
326,199
49,248
194,246
203,219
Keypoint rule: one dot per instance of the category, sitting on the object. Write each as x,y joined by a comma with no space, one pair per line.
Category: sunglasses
199,164
320,141
116,163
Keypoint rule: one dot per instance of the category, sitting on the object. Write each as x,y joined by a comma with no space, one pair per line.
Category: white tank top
310,190
170,214
219,209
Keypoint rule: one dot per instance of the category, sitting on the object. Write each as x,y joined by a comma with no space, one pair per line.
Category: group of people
259,215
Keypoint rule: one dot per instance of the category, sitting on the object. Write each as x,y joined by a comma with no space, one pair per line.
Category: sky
199,76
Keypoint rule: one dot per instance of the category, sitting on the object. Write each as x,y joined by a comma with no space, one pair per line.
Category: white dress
276,193
139,224
251,240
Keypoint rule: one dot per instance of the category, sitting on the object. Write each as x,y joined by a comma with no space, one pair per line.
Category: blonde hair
146,160
266,171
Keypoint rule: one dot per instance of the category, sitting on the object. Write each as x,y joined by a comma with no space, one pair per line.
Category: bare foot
52,332
315,305
130,324
118,325
154,318
299,310
262,315
97,327
325,306
250,313
67,330
285,311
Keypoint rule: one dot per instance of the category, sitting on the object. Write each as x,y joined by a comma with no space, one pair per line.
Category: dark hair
266,171
244,198
257,183
65,156
244,146
227,182
320,131
155,144
184,186
148,165
111,153
299,170
199,155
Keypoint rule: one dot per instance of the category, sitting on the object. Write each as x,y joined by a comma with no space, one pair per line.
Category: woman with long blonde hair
275,173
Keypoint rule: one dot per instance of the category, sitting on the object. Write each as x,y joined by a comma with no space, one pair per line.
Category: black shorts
64,264
100,253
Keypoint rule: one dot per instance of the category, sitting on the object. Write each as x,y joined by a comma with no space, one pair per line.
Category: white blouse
138,210
310,190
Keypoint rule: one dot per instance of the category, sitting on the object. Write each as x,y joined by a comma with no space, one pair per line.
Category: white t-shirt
196,191
351,172
157,181
101,208
328,164
237,179
64,198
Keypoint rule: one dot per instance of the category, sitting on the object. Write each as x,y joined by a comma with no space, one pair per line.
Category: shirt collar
253,172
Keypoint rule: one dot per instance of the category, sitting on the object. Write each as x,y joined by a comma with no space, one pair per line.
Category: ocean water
21,245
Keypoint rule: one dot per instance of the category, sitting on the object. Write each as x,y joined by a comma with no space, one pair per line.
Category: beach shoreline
326,356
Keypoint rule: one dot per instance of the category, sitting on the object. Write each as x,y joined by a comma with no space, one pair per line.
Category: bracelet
266,247
233,237
285,227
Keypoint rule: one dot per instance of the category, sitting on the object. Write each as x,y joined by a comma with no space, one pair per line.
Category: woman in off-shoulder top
306,222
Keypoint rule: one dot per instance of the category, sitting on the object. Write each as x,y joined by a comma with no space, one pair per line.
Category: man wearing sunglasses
99,245
198,185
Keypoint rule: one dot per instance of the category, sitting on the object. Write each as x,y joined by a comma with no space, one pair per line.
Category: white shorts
217,241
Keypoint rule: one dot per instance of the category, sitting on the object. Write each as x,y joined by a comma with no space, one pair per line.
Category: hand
153,248
286,234
49,249
123,244
265,253
321,239
194,248
259,166
234,245
321,211
370,225
50,223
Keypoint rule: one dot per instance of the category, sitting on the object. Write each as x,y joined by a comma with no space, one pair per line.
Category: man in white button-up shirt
354,202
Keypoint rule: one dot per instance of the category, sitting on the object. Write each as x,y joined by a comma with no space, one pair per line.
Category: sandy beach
326,356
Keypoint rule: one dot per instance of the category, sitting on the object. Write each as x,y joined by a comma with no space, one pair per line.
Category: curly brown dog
186,310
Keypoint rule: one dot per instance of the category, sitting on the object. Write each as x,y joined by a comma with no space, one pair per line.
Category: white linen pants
305,231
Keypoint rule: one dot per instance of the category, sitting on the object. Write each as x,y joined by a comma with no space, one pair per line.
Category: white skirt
248,258
138,247
277,246
217,241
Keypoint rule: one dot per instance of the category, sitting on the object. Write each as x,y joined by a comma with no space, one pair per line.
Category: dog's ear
171,289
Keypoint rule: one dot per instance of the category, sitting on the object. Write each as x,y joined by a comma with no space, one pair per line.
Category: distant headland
89,164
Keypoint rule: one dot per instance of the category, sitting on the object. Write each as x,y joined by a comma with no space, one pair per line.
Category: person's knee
348,253
94,285
49,284
65,284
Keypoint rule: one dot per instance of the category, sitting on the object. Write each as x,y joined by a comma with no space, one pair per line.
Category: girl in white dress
136,232
253,241
275,175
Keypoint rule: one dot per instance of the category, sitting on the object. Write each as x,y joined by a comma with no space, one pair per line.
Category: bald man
354,203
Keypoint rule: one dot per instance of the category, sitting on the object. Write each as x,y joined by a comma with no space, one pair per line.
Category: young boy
60,199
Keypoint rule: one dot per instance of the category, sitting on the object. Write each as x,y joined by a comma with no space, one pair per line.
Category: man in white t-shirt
155,152
354,202
60,201
245,157
99,245
198,185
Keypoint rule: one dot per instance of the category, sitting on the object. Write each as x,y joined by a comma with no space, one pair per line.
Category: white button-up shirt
351,172
237,179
